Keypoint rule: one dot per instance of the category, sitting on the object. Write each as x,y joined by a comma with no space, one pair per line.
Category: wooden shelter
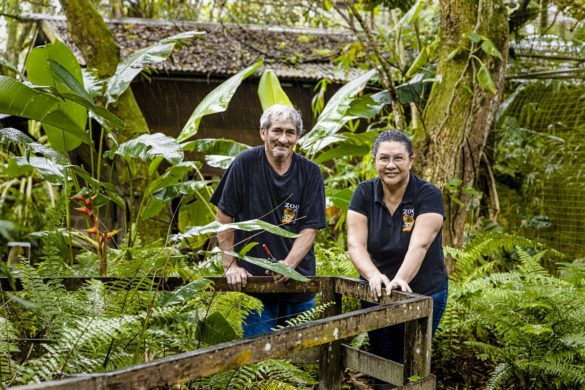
299,57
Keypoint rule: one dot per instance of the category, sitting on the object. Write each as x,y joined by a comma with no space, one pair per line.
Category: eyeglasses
385,160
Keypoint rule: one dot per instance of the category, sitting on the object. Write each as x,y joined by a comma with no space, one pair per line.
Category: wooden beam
330,353
417,345
361,290
373,365
256,284
184,367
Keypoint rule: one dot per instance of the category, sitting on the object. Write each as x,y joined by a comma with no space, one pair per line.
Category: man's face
279,140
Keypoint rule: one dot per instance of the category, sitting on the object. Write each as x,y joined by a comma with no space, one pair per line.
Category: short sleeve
228,194
359,200
430,200
313,201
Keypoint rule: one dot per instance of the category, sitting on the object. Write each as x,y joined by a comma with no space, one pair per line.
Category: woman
394,236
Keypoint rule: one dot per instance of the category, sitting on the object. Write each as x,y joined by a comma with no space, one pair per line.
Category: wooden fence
319,341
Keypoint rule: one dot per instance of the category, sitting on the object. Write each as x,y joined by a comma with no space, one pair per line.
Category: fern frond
499,377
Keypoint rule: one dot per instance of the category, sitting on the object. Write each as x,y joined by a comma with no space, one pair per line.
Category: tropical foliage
515,316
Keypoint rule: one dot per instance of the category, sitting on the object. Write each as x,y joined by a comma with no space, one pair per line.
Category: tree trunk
459,114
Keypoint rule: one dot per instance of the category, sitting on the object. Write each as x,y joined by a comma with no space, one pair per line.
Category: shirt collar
406,198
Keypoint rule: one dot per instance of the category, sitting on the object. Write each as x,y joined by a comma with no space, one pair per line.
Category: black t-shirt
251,189
389,235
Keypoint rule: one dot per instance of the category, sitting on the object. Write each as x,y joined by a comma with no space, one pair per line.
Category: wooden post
417,344
330,366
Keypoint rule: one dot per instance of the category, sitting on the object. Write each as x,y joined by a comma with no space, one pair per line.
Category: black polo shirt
251,189
389,235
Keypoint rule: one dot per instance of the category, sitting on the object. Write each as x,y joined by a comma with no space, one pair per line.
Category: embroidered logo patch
407,220
290,212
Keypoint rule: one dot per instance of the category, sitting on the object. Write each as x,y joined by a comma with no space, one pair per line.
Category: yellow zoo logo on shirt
407,220
290,212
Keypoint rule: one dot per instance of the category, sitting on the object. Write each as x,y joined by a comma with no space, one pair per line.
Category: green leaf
222,162
414,90
489,48
247,248
130,68
485,79
215,146
339,197
454,53
249,226
148,146
270,92
368,106
215,329
52,171
185,188
216,101
474,37
81,96
196,213
184,293
409,16
39,72
278,267
423,58
10,135
21,100
107,189
334,115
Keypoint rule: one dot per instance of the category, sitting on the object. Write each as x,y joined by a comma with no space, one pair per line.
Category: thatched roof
225,49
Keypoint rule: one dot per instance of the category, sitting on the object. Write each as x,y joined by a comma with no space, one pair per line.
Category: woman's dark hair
396,136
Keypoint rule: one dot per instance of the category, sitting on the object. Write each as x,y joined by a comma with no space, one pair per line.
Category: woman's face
393,163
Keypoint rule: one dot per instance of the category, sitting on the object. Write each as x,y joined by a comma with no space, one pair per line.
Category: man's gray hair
282,113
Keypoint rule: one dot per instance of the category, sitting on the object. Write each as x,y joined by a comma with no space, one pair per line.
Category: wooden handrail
325,333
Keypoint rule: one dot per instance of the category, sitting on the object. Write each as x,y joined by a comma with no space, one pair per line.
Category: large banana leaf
21,100
39,73
334,115
82,97
223,147
50,170
249,226
278,267
130,68
149,146
104,187
216,101
270,92
10,135
352,144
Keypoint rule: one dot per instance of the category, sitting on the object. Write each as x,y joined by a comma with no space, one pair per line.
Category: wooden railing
318,341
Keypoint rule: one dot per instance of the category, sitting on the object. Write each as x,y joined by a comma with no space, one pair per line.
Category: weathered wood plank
330,353
183,367
417,345
361,290
373,365
256,284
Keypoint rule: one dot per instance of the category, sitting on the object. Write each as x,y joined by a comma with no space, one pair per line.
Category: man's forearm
301,247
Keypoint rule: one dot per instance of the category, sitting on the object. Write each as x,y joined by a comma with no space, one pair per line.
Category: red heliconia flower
84,210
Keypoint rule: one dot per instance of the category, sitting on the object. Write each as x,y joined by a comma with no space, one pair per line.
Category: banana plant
270,92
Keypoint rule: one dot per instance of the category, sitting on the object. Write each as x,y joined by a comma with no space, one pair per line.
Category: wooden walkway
319,341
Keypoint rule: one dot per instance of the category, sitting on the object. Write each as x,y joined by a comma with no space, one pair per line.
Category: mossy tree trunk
460,113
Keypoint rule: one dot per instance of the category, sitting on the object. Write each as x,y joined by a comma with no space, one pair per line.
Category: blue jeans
389,342
272,315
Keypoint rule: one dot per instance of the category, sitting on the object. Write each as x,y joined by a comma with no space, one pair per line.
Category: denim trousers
389,342
272,315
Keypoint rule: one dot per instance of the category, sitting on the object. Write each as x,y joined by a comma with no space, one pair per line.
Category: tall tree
463,102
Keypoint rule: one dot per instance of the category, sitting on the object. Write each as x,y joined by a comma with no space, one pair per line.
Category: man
272,183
